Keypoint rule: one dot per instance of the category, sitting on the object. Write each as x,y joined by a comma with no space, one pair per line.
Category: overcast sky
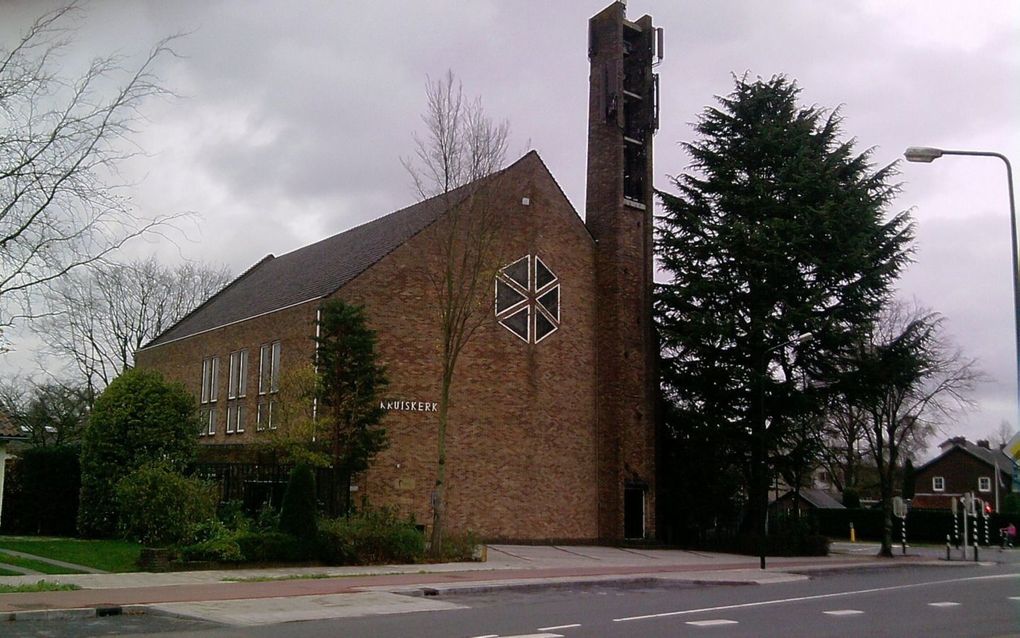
293,116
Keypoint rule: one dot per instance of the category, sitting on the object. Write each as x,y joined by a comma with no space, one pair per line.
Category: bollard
947,548
903,536
976,546
853,536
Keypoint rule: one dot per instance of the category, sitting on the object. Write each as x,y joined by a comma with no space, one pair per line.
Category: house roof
317,270
819,499
988,456
8,430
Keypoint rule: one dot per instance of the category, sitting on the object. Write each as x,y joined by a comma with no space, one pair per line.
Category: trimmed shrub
212,540
158,506
271,547
298,513
370,537
138,419
460,547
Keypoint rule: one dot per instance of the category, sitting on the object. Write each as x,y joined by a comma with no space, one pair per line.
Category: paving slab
271,611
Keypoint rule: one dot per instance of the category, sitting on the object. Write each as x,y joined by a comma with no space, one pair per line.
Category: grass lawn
108,555
36,565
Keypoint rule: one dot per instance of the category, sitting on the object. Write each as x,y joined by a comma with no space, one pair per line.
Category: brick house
552,428
963,467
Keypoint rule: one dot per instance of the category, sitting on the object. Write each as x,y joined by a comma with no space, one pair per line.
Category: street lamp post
763,448
927,155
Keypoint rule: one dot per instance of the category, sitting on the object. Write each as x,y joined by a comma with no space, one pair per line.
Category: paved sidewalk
323,592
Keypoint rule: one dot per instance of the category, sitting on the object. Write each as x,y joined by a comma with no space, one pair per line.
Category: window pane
212,421
240,417
272,408
214,373
260,417
519,272
232,378
230,419
551,302
275,381
242,374
543,276
265,361
205,381
506,297
517,323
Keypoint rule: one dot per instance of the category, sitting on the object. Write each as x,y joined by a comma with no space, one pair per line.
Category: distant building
805,500
552,431
963,467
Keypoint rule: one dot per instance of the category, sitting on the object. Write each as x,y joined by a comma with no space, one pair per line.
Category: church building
551,430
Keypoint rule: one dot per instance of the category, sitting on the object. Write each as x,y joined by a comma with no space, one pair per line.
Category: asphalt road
902,601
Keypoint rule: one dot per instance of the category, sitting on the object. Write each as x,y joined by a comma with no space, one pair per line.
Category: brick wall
522,460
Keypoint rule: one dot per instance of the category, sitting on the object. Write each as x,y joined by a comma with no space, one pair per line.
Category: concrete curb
62,614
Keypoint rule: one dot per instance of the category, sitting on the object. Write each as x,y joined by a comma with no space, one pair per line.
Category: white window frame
237,386
261,415
210,421
269,368
239,415
938,484
984,484
210,380
230,418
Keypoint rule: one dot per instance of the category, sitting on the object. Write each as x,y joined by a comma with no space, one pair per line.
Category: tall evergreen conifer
350,382
778,230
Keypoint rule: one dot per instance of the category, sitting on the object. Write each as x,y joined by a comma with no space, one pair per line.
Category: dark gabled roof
315,271
991,457
819,499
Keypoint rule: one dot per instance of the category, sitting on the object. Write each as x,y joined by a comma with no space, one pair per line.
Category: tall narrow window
236,388
269,368
208,394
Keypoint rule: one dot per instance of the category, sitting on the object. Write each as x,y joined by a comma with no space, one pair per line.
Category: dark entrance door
634,511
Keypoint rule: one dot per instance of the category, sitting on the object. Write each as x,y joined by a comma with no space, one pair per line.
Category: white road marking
536,636
762,603
1014,597
843,612
946,603
711,623
487,636
559,627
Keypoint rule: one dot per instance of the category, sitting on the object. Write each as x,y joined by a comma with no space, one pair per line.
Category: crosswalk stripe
844,612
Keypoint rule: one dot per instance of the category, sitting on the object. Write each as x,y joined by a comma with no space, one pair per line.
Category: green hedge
41,492
367,538
158,506
923,526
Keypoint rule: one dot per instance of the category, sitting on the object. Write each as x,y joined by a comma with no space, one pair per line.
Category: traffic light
988,509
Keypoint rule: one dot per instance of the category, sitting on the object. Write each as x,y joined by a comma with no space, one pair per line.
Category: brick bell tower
622,118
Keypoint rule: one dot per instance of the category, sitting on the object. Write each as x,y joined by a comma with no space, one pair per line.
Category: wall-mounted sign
409,406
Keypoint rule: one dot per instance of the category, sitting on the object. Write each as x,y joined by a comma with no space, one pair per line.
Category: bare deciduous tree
910,381
50,413
61,141
1002,434
98,318
462,145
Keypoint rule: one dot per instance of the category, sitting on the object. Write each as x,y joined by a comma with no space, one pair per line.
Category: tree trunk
439,493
